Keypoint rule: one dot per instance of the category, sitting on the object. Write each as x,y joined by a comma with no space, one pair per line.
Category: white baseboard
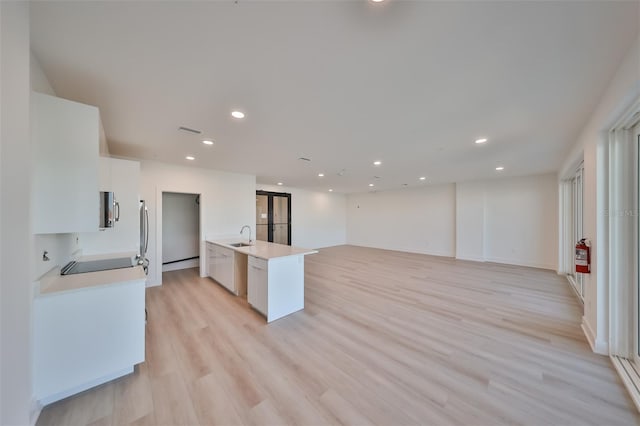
408,250
34,412
471,258
597,345
45,400
185,264
517,262
629,377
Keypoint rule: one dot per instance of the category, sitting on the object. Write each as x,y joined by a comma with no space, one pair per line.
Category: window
636,320
623,248
576,227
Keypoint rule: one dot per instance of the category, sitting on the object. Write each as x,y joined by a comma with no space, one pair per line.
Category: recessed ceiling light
320,174
237,114
377,1
370,184
483,140
280,183
207,142
190,158
423,178
331,190
377,163
499,168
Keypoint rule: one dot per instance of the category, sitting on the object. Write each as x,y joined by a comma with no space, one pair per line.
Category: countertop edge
52,283
253,250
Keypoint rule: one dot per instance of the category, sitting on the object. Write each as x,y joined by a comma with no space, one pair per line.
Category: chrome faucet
242,229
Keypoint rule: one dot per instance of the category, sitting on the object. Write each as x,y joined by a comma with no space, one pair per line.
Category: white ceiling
410,83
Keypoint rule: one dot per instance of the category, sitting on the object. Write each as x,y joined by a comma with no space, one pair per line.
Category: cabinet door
221,266
82,337
65,137
224,268
211,260
257,278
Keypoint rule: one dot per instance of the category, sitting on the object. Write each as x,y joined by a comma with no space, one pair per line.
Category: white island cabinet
276,286
65,137
88,329
227,267
273,274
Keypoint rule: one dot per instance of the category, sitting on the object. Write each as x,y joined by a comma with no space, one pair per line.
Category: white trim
597,345
588,333
183,264
630,378
470,258
506,261
622,244
574,286
100,380
629,118
158,239
36,409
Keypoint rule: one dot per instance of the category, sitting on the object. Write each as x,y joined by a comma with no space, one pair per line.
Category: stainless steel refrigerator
144,237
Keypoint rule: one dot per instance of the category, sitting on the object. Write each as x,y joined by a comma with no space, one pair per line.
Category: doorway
273,217
180,231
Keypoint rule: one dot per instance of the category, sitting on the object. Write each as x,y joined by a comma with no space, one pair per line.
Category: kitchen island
271,275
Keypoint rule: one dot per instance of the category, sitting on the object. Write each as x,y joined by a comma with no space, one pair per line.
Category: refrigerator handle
117,208
146,231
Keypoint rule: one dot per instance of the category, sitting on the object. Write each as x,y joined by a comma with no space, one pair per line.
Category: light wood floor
386,338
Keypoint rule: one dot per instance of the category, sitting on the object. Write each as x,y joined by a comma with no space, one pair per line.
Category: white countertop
263,249
53,282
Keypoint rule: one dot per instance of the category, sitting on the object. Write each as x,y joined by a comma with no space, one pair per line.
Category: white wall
318,219
39,81
60,250
470,223
227,201
413,220
180,226
623,89
15,226
512,221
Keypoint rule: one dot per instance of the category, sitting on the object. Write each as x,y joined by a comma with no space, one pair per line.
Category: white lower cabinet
227,267
257,283
85,337
276,286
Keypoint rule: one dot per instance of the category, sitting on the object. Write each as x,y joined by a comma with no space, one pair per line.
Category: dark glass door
273,217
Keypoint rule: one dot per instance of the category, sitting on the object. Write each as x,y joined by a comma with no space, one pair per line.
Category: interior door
262,217
273,217
281,221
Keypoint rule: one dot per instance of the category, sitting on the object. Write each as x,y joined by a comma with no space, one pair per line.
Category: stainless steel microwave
109,210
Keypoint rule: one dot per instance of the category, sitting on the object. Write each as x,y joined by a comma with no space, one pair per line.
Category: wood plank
385,338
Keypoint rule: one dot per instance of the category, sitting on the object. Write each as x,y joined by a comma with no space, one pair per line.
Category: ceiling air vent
187,129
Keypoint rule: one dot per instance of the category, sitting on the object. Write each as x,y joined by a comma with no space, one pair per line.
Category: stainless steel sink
240,245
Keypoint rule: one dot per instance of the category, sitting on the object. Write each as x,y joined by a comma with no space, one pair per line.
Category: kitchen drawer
257,262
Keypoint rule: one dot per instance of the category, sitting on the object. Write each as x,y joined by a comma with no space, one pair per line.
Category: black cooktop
96,265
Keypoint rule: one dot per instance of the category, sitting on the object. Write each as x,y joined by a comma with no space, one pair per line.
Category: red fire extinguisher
583,257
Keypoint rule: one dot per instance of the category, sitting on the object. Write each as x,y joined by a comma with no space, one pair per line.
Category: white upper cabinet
122,177
65,139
